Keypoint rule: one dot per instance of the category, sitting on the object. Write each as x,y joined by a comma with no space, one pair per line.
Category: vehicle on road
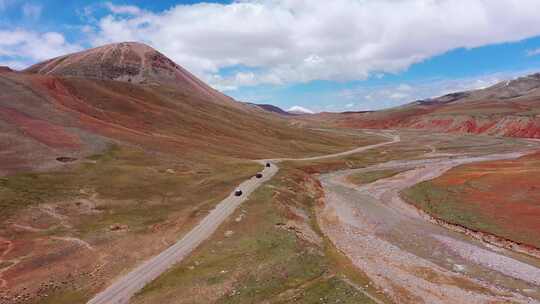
131,283
258,175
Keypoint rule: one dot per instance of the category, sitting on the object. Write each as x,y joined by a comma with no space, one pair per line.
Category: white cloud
25,47
290,41
32,11
534,52
123,9
398,96
404,88
300,109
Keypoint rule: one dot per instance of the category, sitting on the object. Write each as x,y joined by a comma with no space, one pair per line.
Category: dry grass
154,196
262,262
152,160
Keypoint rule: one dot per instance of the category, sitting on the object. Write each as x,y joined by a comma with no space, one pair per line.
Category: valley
508,108
357,221
125,179
419,261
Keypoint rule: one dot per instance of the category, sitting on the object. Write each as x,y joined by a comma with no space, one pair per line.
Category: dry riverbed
414,260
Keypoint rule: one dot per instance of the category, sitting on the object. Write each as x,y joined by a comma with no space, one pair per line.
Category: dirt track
411,259
125,287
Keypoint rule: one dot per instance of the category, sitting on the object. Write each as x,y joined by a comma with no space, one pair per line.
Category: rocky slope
130,62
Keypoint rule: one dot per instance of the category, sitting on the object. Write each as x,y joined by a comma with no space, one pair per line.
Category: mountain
271,108
4,69
131,62
131,94
109,154
509,108
298,110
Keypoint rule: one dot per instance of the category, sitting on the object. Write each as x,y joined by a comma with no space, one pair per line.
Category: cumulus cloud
24,47
398,96
123,9
291,41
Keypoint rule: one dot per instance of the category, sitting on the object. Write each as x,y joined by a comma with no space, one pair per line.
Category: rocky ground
413,260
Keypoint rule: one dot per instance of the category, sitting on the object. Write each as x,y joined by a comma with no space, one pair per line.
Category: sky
339,55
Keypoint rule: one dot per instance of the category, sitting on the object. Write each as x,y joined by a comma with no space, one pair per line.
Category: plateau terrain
126,179
509,108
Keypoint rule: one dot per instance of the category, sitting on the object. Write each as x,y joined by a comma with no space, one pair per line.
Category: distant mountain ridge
5,69
298,110
508,108
271,108
503,90
293,111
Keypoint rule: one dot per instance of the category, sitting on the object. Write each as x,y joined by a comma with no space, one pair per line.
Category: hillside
510,108
100,170
74,105
129,62
271,108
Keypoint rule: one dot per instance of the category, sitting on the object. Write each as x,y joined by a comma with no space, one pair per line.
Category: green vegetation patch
131,186
261,262
372,176
364,159
444,203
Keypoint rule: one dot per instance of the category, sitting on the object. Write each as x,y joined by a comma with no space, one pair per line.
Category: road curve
125,287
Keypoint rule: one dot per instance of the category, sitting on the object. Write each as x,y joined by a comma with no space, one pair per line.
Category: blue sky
344,55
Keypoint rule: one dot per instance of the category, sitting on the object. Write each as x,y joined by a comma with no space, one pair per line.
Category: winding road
125,287
412,259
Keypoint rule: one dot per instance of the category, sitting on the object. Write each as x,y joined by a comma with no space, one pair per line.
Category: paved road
401,251
124,288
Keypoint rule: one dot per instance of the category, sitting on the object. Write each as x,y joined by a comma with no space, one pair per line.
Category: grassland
276,252
129,175
369,177
113,202
95,218
272,256
498,197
